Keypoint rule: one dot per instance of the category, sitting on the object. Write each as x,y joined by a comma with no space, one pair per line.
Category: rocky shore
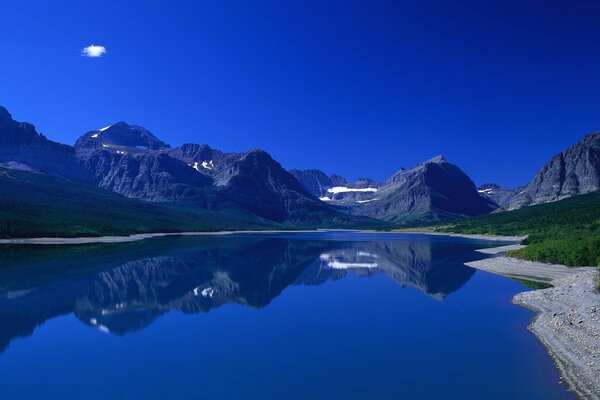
568,315
568,324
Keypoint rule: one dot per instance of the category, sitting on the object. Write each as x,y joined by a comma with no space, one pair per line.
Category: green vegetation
564,232
532,284
36,205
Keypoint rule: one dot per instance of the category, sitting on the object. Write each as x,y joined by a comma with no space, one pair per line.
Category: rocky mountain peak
4,115
436,160
571,172
121,134
432,190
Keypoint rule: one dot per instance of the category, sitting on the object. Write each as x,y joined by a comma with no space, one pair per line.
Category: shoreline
493,238
139,236
143,236
567,323
567,315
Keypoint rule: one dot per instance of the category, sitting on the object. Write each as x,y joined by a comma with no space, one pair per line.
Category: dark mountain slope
37,205
21,147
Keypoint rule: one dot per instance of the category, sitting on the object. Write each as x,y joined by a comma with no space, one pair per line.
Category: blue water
296,316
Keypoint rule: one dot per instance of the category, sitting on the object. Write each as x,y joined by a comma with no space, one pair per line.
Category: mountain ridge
573,171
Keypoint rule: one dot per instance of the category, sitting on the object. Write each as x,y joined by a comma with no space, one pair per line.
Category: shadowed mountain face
22,147
124,288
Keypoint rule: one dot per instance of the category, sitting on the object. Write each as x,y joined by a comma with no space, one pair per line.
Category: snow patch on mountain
365,201
344,189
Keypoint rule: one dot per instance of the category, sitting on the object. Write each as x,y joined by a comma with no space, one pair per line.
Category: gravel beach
568,324
568,315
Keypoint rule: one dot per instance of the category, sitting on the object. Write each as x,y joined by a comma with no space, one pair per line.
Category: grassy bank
564,232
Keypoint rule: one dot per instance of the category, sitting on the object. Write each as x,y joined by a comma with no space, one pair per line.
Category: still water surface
297,316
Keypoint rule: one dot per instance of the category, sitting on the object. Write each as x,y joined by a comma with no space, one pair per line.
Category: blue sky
359,88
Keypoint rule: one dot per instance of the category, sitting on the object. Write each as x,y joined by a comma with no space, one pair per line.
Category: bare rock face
571,172
201,157
150,176
22,147
316,181
130,160
252,180
433,190
261,185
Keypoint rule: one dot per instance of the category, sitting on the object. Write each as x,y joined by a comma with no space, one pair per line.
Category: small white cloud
93,51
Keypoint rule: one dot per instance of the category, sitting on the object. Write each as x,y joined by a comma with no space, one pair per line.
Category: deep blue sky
356,88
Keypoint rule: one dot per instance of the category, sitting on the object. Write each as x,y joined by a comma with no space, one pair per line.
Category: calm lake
296,316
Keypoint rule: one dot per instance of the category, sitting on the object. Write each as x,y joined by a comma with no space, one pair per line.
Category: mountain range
433,190
141,170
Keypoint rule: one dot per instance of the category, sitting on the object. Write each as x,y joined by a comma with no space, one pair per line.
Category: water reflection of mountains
123,288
